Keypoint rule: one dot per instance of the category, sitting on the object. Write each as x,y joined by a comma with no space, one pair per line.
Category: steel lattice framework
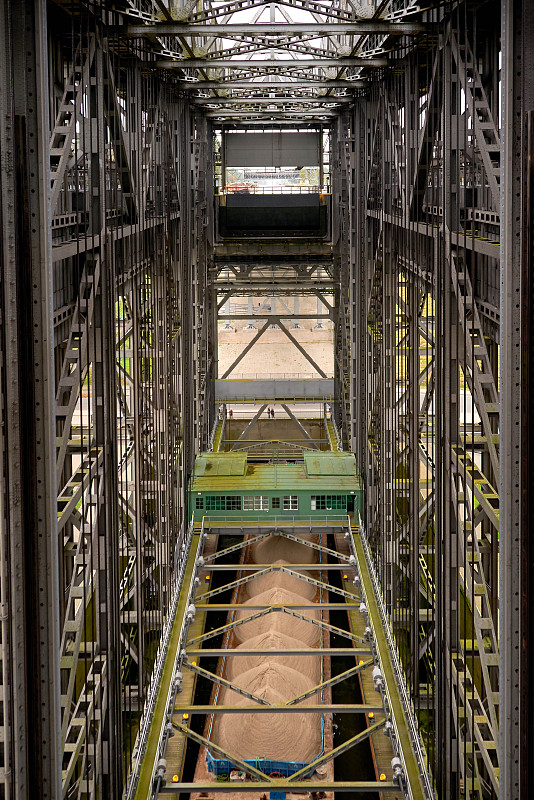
424,398
109,281
428,293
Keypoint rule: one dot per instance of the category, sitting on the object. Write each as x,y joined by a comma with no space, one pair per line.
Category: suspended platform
188,750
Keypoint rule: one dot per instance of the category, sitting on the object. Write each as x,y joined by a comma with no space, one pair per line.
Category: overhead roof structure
295,56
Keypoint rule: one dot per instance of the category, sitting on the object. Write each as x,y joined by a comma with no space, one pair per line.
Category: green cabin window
233,503
255,502
199,502
291,502
223,503
215,503
275,502
322,502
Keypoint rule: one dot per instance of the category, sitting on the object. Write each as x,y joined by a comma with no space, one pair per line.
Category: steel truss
369,649
128,349
418,360
133,398
275,282
331,47
109,288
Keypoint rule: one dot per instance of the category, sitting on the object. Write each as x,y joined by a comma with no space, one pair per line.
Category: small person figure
269,413
272,413
231,413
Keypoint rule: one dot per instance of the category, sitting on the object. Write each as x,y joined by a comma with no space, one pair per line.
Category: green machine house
325,483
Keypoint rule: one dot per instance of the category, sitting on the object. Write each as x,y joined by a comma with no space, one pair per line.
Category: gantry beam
274,606
323,708
252,116
269,101
294,84
357,652
348,787
278,30
365,660
274,64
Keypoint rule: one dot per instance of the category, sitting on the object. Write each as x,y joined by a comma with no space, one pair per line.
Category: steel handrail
181,557
400,680
327,521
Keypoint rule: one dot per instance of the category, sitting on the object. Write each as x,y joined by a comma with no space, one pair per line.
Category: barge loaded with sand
283,682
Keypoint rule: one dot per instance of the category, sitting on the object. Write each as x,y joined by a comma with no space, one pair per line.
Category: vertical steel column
28,536
186,295
388,454
447,415
203,181
412,425
139,414
527,469
105,750
340,233
516,591
357,284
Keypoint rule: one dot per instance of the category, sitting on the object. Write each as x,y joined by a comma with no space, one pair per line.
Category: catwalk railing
408,765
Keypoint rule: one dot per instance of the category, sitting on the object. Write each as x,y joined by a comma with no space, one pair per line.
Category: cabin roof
320,472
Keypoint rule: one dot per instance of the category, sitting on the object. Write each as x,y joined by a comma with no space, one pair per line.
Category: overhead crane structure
125,241
402,756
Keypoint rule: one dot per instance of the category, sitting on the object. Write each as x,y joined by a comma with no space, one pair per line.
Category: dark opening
244,215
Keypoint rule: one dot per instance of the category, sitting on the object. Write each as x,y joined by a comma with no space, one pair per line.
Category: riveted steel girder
277,63
278,30
270,101
294,84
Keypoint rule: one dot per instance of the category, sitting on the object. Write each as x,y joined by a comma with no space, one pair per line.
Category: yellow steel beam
228,684
225,754
359,652
343,676
145,774
321,708
412,768
278,785
337,751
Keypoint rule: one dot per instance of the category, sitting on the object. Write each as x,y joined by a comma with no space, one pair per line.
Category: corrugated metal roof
212,464
330,463
286,478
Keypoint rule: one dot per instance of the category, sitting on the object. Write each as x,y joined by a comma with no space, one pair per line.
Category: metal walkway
344,580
